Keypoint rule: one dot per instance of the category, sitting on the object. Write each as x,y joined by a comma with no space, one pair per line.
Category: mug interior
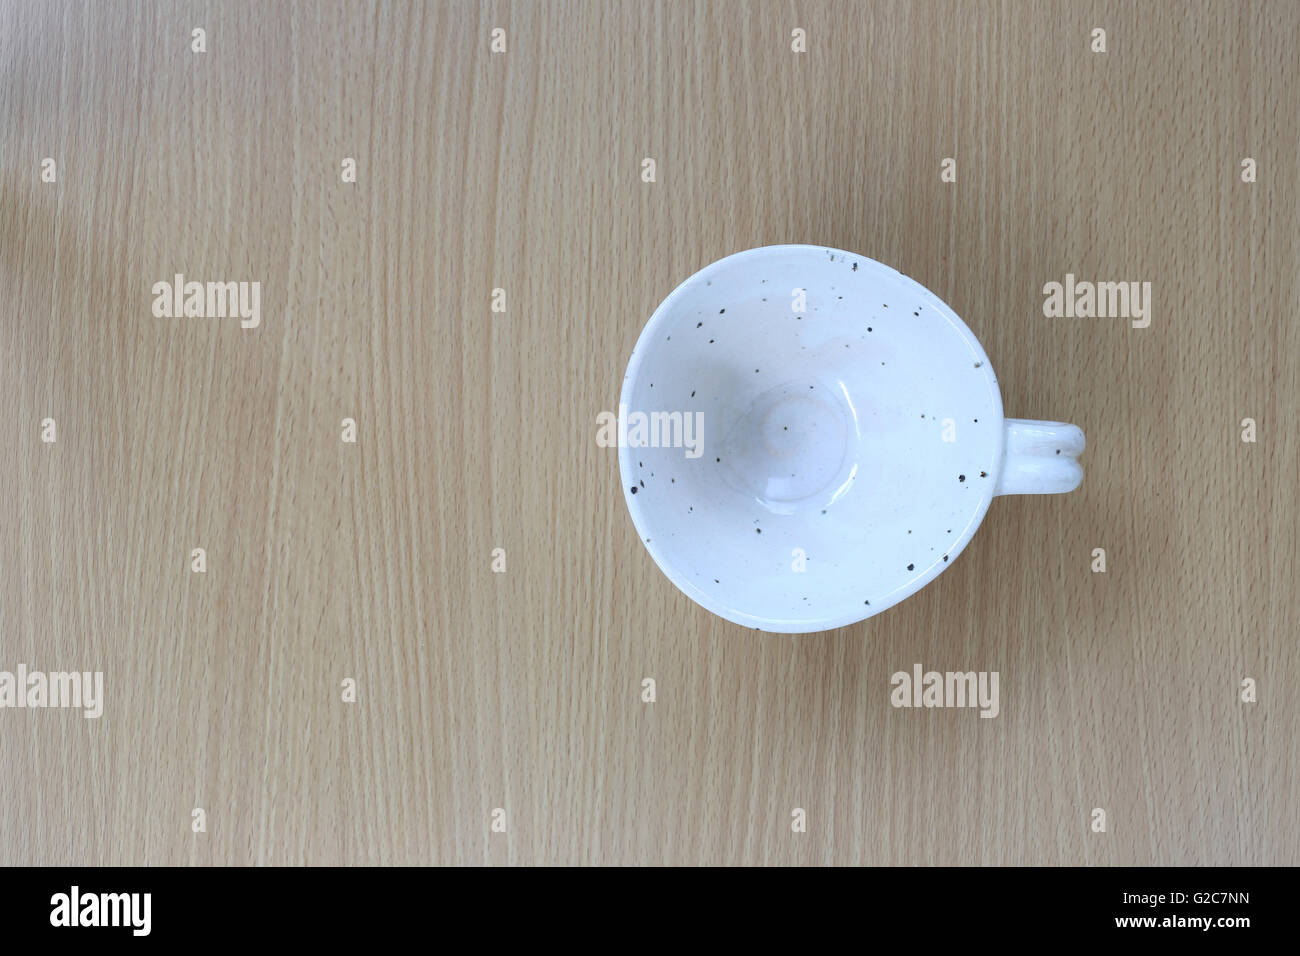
810,437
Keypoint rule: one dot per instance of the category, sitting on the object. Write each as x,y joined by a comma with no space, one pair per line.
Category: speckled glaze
848,452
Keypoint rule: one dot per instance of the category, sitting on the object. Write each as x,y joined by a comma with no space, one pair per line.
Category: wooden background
522,690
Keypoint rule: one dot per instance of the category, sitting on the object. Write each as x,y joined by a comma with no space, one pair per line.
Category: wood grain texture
521,690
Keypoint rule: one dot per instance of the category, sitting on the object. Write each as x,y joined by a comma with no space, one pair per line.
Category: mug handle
1040,458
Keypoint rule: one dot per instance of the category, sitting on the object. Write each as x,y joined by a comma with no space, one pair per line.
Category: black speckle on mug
911,567
961,477
692,394
716,581
1058,451
945,557
721,311
978,364
699,325
758,530
868,328
855,267
634,489
984,474
717,459
710,341
642,482
916,313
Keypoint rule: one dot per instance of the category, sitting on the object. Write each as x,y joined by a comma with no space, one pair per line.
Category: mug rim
637,510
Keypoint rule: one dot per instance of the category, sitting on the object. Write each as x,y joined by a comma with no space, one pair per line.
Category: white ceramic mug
807,437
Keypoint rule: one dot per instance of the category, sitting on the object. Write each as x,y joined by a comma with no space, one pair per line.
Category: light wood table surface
476,430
